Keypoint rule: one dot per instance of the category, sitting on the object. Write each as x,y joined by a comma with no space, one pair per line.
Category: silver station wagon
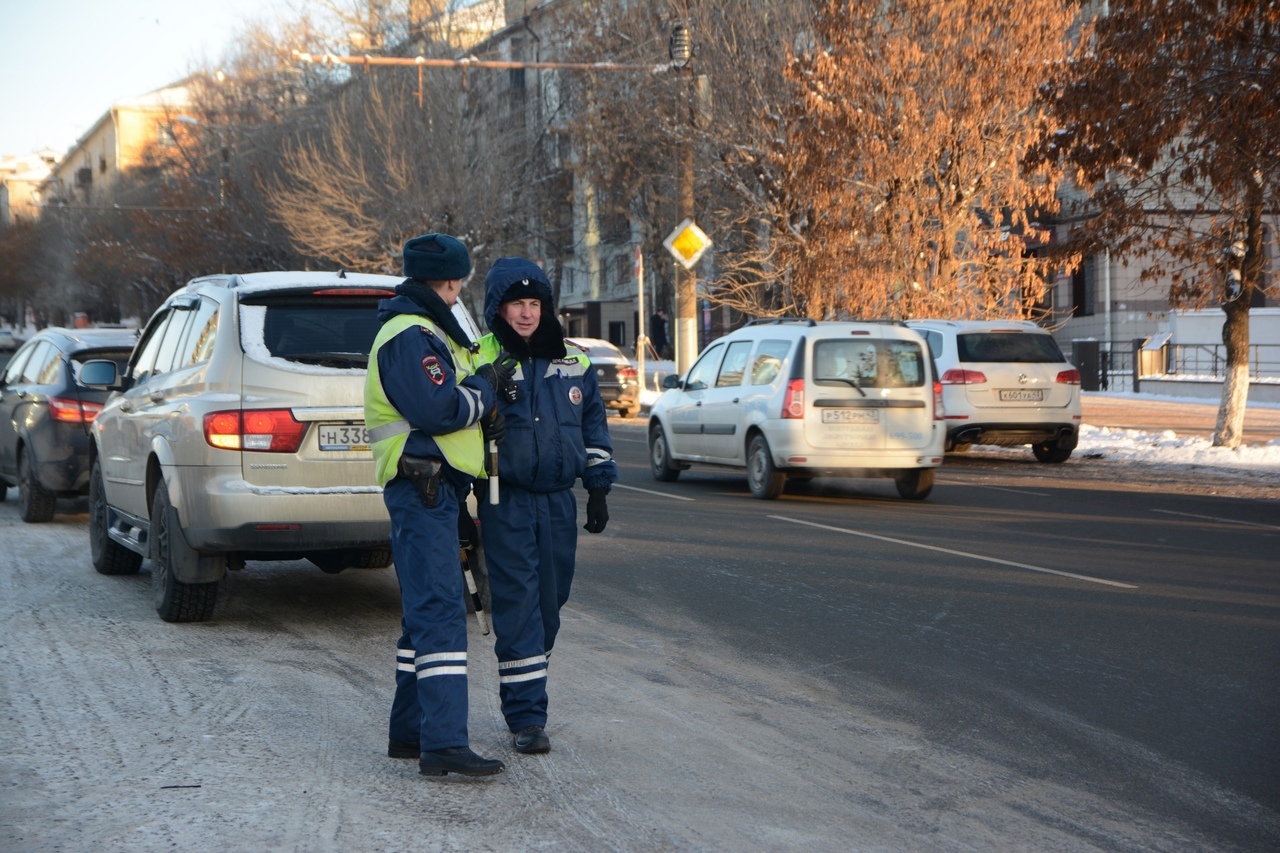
804,399
237,433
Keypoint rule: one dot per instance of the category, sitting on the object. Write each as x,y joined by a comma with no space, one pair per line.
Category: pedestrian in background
658,333
555,435
429,407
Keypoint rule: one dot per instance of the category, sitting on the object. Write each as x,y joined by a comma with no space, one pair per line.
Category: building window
1082,289
164,136
618,333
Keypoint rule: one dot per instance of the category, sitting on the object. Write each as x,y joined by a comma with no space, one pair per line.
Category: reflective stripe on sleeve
597,456
390,430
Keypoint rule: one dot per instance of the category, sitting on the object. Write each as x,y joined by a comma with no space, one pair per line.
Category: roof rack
778,321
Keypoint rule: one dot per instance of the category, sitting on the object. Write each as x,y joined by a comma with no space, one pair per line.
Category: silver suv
1005,383
237,433
804,399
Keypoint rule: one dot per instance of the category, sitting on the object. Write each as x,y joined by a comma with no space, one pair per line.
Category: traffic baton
493,472
476,603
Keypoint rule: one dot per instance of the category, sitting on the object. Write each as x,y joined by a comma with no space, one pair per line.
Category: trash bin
1085,356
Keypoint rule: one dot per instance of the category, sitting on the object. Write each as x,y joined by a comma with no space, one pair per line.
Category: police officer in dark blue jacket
429,409
555,435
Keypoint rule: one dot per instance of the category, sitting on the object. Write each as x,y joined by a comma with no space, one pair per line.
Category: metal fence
1120,365
1210,360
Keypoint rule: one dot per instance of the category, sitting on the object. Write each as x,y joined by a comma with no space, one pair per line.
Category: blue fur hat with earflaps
436,257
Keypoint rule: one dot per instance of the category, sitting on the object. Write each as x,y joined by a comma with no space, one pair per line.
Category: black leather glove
597,511
493,426
499,374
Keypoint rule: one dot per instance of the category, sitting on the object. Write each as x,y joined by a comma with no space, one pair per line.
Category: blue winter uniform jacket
556,432
433,407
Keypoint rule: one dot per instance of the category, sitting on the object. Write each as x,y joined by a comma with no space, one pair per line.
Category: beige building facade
118,141
20,180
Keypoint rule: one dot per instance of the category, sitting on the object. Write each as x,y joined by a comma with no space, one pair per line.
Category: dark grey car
45,414
616,375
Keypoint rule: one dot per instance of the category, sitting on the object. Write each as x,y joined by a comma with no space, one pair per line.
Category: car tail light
939,411
267,430
793,402
71,411
1069,377
958,376
627,373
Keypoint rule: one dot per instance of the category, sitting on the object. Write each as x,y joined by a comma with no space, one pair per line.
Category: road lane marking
1215,518
955,553
996,488
652,492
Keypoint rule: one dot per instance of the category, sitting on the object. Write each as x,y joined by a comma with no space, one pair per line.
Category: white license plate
1021,395
343,437
851,416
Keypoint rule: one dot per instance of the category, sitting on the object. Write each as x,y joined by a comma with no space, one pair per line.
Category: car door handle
699,404
735,399
126,407
156,396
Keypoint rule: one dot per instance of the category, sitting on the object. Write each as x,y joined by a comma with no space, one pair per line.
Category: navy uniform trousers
530,544
430,705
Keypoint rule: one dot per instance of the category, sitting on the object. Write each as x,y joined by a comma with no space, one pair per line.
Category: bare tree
1171,118
903,187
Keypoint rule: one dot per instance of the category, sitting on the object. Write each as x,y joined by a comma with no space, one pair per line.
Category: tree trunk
1235,384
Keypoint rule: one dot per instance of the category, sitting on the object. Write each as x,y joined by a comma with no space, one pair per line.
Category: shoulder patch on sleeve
434,370
427,331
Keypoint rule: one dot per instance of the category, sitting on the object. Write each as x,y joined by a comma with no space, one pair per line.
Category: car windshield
868,363
1008,347
603,350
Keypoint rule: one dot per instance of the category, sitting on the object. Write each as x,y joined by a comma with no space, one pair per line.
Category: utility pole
685,333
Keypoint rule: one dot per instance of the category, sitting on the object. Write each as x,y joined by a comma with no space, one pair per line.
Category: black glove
499,374
493,426
597,512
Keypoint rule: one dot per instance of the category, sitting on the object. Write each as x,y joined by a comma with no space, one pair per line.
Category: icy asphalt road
265,730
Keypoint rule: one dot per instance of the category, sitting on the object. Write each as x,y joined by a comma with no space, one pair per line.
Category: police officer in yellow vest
429,407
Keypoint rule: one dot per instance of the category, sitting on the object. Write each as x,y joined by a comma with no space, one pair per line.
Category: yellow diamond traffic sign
687,243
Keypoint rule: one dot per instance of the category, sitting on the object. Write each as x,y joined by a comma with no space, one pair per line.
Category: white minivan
803,399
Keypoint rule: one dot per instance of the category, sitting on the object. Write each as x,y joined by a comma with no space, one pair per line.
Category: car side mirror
100,373
671,381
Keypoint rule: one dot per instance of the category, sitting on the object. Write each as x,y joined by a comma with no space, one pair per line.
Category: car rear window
332,331
1007,347
869,363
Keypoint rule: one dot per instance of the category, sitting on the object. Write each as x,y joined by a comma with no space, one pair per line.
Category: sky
65,62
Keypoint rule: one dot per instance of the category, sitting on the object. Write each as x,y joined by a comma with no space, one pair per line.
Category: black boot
458,759
531,740
402,749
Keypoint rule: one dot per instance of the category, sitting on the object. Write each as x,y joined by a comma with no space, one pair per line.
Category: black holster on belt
424,472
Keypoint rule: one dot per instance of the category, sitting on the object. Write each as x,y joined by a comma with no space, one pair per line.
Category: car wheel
915,484
36,503
625,413
174,600
660,456
109,558
1051,451
764,480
